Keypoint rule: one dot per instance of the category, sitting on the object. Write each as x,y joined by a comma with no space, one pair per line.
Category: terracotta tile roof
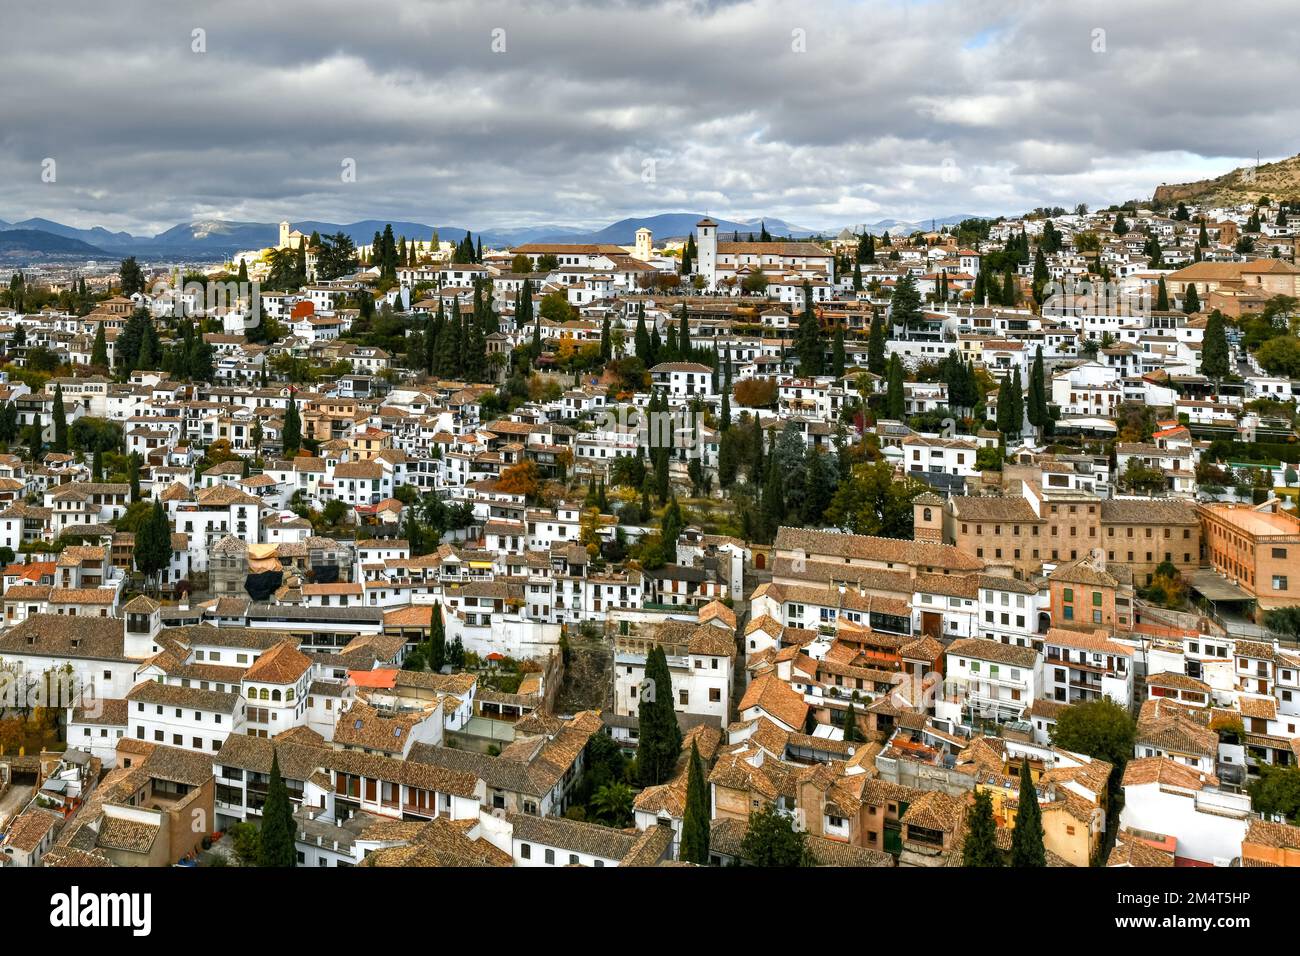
282,664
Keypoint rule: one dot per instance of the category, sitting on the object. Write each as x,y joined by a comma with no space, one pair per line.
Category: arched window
925,515
265,694
275,695
288,694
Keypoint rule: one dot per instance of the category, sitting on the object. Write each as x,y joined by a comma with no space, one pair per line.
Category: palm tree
613,804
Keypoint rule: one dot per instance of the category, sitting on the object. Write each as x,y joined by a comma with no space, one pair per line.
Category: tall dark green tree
808,339
1191,299
99,350
60,422
1214,348
876,346
641,337
852,733
895,400
131,275
905,303
695,821
837,351
437,640
278,848
981,844
772,840
660,738
1027,838
1162,296
153,543
291,439
724,415
1036,405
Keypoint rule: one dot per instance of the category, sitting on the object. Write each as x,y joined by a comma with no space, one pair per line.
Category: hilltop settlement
969,547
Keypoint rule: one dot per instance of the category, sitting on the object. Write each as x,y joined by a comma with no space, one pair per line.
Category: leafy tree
1284,621
981,845
278,829
1280,356
871,501
612,804
153,543
1276,791
1027,838
695,821
1097,728
772,840
1214,348
905,302
247,839
131,275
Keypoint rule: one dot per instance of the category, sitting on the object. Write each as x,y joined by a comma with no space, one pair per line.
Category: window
525,851
1279,582
550,857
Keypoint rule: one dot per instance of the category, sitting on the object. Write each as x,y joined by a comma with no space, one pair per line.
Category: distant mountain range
208,240
33,245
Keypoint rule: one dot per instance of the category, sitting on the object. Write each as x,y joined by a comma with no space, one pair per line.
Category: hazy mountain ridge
212,239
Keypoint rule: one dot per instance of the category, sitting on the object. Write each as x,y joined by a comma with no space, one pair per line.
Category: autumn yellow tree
520,479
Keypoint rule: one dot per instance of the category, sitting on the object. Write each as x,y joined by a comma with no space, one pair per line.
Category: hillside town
962,547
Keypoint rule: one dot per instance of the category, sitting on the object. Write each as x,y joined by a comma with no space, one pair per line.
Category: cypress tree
852,734
695,821
1162,296
876,345
1037,404
60,422
278,831
724,417
99,351
895,403
1017,411
606,347
837,351
773,499
808,343
437,640
660,738
1004,408
642,337
684,337
1214,349
1027,839
981,845
292,436
1191,299
133,474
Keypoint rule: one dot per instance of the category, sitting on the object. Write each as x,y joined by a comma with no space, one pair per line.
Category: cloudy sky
493,114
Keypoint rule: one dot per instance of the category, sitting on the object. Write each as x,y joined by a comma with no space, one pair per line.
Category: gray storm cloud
496,114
